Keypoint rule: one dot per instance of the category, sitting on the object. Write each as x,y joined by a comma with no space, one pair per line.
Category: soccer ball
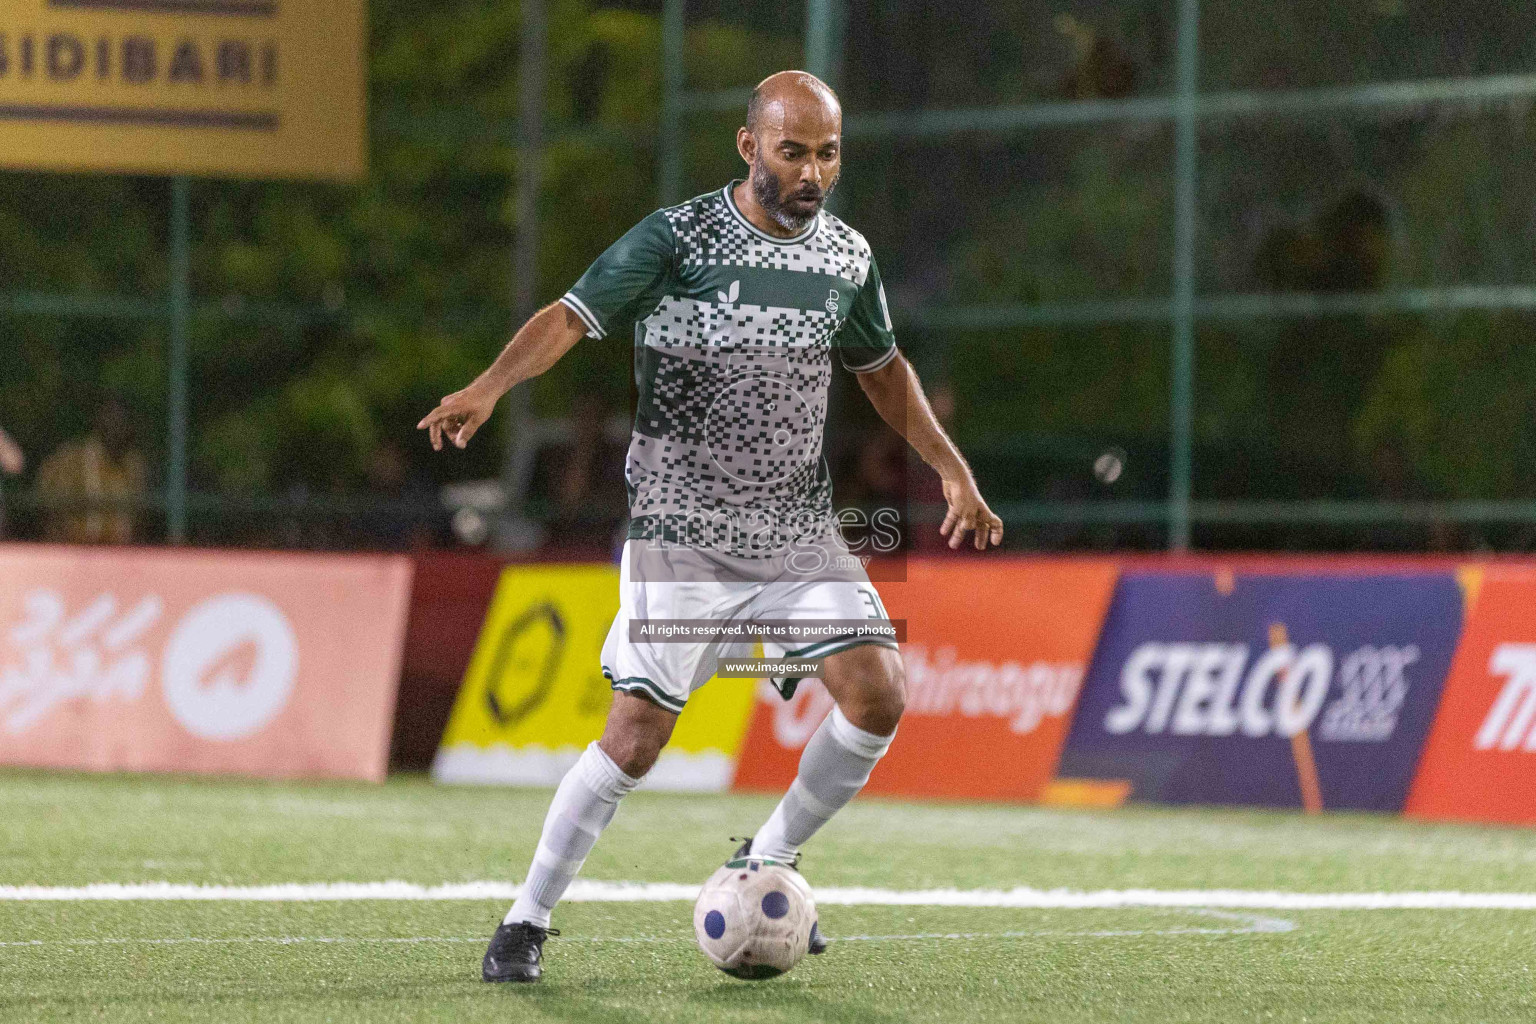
754,917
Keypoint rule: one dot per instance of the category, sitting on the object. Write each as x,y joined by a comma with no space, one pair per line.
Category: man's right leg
583,806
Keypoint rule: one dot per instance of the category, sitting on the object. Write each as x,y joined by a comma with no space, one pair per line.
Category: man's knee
881,710
871,689
635,754
635,733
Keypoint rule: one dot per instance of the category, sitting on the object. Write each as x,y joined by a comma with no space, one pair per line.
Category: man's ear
746,145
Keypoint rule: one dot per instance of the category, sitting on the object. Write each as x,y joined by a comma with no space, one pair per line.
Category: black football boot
818,943
516,953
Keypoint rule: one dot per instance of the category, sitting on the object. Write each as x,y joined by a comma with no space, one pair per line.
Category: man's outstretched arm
897,396
549,334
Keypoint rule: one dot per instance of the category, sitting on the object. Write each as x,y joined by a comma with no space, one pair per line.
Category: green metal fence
1186,109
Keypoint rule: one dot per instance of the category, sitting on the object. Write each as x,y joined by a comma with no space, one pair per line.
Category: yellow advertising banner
233,88
534,695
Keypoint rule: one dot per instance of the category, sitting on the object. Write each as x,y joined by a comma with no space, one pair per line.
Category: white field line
1243,924
661,892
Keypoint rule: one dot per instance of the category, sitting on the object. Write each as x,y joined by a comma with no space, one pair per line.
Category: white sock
583,806
834,767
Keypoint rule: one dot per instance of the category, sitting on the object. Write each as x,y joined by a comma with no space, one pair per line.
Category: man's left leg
869,685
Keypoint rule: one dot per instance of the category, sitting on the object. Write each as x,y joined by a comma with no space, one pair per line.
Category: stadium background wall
1386,683
1412,649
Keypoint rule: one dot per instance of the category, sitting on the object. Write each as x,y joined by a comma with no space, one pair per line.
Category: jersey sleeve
622,278
866,342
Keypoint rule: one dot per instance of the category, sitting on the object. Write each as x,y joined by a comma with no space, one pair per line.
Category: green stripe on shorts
651,690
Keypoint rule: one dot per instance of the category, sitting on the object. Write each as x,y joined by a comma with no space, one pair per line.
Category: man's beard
765,187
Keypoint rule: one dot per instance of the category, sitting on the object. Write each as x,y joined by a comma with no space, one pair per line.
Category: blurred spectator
583,483
94,484
12,461
400,516
1101,68
574,489
1345,249
1319,370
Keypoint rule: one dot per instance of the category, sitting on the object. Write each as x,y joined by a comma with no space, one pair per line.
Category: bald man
738,300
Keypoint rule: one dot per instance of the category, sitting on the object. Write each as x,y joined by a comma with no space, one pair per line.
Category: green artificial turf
630,963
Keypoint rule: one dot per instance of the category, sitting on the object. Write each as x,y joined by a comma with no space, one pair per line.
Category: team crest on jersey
832,298
732,295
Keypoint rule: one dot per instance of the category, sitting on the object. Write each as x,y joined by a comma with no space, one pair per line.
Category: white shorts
667,672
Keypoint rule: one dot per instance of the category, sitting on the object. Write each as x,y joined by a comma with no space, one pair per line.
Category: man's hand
967,512
538,344
11,459
458,416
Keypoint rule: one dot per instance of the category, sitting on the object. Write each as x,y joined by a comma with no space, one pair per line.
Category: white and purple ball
753,918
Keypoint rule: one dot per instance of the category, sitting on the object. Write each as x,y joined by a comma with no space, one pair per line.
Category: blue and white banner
1286,690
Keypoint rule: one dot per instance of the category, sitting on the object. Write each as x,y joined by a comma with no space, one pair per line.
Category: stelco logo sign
231,87
1219,689
227,668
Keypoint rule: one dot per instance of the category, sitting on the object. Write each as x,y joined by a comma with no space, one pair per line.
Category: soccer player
738,299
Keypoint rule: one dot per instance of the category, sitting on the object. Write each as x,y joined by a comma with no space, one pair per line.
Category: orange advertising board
996,652
1479,763
251,663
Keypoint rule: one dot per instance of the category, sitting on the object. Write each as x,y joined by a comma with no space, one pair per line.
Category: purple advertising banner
1285,690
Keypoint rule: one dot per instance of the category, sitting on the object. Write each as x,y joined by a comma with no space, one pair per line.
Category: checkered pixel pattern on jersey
735,401
752,412
670,484
748,530
748,330
709,234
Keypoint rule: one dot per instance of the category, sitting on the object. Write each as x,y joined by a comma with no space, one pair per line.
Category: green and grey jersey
734,334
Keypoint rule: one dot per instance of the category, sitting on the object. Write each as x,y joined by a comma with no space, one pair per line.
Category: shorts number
872,599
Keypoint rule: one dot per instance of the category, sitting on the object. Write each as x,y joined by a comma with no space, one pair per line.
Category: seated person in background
12,461
93,484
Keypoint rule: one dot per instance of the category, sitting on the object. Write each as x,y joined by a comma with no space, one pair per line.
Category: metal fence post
670,158
521,443
181,303
823,39
824,20
1186,154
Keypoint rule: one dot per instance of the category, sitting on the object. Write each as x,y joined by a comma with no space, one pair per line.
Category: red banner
1480,761
996,652
143,660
